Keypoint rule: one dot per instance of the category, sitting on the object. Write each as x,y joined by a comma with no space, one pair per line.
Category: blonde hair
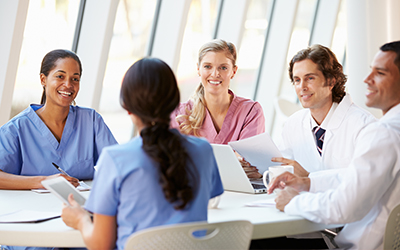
193,120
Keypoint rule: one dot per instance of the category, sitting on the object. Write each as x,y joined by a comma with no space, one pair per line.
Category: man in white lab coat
319,83
369,188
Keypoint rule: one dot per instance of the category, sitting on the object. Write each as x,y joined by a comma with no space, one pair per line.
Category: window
298,41
132,29
199,29
50,25
340,34
251,49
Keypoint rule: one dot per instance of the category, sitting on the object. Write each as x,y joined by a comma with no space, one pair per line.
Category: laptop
232,174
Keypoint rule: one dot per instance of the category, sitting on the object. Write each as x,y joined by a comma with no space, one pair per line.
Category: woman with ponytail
214,111
160,177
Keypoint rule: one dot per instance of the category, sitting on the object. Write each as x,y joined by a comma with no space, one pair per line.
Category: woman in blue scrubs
160,177
53,132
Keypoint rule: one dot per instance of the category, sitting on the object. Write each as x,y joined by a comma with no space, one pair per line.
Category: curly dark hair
150,91
327,64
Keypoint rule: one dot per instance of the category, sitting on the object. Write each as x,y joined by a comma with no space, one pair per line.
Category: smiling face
62,82
216,71
383,89
312,89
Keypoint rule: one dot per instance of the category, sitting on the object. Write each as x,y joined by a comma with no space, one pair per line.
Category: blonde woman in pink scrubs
214,111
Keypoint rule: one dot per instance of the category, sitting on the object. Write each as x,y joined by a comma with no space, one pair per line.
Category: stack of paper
28,216
258,151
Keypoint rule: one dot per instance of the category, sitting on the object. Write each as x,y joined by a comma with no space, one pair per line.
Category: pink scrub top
245,118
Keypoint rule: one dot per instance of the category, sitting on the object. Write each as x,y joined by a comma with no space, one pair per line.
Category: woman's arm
99,234
19,182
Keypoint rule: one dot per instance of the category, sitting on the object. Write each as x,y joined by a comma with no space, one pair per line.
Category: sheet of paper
82,187
258,151
28,216
262,203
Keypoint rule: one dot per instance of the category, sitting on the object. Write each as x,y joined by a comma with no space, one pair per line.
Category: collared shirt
366,192
245,118
325,122
28,147
298,142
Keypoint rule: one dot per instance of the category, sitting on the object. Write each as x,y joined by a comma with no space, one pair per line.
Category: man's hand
289,180
284,197
298,169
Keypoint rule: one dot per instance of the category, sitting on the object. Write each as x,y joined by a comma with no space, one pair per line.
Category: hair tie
153,123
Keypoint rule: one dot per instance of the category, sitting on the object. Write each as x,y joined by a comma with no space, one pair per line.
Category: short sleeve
10,152
104,195
103,136
217,189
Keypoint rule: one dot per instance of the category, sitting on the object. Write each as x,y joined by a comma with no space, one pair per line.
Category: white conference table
268,221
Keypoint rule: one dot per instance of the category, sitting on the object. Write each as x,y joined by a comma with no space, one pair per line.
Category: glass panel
50,24
199,29
251,48
132,29
298,41
340,35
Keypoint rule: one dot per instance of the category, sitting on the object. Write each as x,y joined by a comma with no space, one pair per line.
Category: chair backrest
198,235
391,239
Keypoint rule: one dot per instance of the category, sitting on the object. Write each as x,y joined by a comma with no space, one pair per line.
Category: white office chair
391,239
224,235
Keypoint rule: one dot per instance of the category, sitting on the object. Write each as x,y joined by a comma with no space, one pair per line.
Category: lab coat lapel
337,119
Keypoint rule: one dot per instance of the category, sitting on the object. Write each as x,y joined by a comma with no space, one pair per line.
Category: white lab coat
342,129
369,188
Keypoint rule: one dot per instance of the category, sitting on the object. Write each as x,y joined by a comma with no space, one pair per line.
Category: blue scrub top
27,146
127,185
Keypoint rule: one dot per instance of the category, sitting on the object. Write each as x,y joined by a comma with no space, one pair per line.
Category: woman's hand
251,171
74,215
298,169
72,180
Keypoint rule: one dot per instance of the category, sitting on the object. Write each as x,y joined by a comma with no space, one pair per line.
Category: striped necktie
319,137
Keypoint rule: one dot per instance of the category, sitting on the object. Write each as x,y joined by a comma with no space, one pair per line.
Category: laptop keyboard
257,186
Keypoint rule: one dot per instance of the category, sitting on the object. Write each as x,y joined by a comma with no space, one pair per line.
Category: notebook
232,174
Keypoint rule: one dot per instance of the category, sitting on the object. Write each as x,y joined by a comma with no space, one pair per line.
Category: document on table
262,203
28,216
82,187
258,151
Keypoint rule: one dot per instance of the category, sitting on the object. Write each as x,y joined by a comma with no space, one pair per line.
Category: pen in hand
60,169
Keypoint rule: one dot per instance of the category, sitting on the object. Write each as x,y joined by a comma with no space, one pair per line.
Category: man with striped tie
368,189
322,135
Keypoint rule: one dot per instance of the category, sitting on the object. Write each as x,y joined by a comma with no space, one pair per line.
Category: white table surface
268,221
